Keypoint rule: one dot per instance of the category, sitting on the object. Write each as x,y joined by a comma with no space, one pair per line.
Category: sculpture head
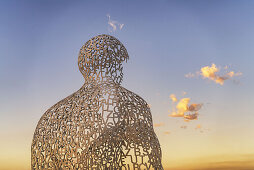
101,59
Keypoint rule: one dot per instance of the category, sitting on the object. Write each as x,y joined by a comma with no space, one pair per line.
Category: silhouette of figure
102,125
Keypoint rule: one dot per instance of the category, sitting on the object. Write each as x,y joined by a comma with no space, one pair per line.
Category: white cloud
114,25
121,26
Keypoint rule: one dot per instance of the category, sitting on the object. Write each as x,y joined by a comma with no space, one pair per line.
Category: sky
176,48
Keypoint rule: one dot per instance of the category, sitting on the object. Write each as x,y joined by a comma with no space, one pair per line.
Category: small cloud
189,75
167,132
183,127
198,126
183,108
184,93
175,114
213,73
191,116
173,98
114,24
195,107
201,129
121,26
238,74
158,124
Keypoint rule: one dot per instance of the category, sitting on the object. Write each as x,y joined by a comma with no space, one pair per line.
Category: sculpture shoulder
134,106
77,99
62,107
129,96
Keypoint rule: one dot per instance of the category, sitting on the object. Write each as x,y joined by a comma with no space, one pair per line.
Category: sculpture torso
101,126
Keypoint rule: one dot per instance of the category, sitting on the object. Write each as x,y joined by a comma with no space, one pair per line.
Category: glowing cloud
211,72
184,109
175,114
182,106
114,24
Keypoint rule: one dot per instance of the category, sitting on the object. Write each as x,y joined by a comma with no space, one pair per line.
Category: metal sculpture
102,125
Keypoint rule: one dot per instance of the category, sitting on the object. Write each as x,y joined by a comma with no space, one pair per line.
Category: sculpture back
102,125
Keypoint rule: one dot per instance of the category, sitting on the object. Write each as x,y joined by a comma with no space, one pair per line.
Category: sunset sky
195,50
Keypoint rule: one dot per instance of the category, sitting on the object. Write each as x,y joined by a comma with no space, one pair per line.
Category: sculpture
102,125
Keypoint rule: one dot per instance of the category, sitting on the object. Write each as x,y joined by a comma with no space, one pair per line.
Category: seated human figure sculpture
102,125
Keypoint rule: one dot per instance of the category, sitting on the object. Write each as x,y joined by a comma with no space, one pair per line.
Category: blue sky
40,41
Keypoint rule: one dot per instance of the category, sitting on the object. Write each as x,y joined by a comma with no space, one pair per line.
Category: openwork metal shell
102,125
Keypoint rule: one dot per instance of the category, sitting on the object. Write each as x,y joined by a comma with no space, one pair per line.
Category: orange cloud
211,72
183,107
193,116
195,107
183,127
158,124
175,114
173,98
198,126
167,132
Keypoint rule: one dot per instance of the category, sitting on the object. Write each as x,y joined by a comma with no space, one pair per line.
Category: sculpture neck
99,79
95,83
